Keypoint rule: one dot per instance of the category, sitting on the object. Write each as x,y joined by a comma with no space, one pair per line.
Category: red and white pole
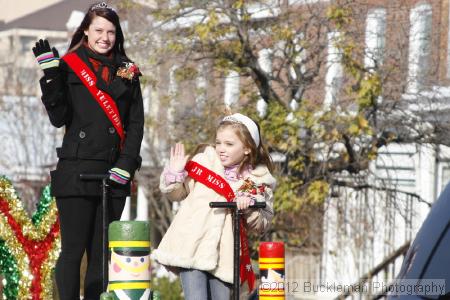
271,268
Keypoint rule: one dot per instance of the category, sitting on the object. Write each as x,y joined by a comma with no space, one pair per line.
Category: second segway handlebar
233,205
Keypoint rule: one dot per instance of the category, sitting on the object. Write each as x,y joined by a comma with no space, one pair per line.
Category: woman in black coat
100,137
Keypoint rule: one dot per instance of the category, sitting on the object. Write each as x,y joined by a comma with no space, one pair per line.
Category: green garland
43,205
10,271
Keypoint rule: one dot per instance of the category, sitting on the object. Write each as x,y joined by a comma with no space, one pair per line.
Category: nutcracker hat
130,238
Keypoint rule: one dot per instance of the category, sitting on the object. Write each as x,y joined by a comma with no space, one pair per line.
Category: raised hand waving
48,58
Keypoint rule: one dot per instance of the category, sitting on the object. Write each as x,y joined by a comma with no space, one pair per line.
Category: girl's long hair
258,154
79,37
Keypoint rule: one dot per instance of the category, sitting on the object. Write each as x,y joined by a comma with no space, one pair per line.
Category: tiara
102,5
247,122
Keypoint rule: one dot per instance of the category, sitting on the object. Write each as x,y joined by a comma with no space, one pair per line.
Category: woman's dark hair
105,12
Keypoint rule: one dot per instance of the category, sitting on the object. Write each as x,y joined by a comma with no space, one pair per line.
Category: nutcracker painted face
129,266
101,35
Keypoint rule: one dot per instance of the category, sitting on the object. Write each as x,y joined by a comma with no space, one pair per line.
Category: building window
265,63
201,85
263,8
265,60
172,93
333,77
11,43
27,79
231,93
26,43
375,37
448,44
445,178
125,26
396,167
173,3
420,20
173,84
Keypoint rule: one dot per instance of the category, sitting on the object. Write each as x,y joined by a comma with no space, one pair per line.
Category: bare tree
330,100
29,140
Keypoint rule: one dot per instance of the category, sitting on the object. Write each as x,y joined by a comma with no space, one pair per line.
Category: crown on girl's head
102,5
247,122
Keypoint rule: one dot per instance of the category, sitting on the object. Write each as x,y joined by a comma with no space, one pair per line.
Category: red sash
220,186
89,80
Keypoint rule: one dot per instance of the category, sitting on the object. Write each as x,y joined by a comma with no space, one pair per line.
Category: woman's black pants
81,230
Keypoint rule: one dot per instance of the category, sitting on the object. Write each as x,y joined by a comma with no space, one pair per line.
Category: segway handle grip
93,176
233,205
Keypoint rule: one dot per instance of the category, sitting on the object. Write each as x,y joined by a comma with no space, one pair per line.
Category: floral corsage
130,71
251,189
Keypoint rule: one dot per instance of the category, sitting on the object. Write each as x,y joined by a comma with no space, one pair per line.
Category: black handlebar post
236,235
104,178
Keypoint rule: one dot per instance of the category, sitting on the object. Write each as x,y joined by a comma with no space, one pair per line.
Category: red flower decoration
130,71
250,187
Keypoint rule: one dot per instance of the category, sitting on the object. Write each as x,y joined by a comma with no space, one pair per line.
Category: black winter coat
90,143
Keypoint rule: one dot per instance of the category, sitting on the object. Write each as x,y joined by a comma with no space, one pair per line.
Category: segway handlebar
233,205
93,176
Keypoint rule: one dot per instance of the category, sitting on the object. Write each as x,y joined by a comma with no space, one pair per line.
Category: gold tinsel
32,232
47,269
18,253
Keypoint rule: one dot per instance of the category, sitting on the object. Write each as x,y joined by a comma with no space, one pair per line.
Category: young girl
199,243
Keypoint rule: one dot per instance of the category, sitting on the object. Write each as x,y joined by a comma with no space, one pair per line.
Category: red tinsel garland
37,251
